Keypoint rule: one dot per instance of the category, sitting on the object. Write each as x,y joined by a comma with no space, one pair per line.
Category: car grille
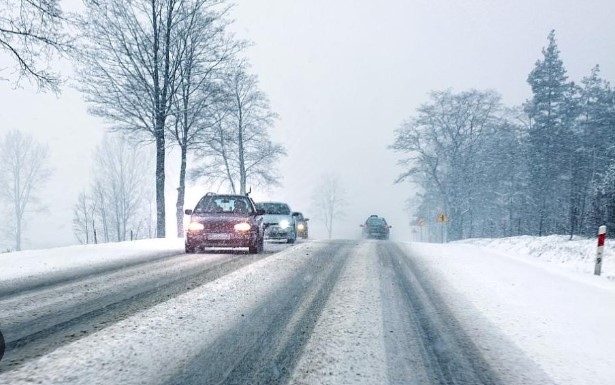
219,226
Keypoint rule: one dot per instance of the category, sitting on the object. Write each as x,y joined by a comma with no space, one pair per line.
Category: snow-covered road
322,312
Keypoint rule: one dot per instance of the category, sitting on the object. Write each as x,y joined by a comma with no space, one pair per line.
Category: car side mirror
260,212
361,226
188,212
390,227
306,219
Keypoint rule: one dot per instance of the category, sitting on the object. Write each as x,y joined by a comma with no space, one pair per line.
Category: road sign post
600,251
442,219
421,222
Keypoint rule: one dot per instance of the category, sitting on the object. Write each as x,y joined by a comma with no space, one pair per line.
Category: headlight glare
284,224
195,226
300,226
243,226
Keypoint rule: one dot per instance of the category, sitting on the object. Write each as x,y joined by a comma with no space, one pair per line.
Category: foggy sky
342,75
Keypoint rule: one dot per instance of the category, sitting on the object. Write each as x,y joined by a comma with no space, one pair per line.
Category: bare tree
130,58
23,173
83,219
206,47
101,218
329,201
120,172
238,149
31,32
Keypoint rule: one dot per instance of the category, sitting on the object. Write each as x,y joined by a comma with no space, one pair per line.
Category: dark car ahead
301,224
375,227
225,221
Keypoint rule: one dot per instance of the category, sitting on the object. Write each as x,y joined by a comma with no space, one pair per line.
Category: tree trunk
225,158
18,234
181,191
242,162
160,209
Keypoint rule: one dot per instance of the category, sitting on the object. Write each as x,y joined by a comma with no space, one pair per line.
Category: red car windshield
224,204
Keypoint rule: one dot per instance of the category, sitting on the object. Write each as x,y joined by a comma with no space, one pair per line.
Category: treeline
546,167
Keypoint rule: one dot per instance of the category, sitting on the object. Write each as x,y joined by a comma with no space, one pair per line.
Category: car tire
189,249
291,240
258,248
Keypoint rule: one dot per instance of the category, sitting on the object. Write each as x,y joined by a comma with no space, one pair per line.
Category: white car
278,221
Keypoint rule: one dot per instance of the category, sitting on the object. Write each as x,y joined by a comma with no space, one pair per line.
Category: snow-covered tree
440,145
552,112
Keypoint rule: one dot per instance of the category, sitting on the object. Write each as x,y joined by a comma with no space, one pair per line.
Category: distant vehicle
375,227
301,224
278,221
225,221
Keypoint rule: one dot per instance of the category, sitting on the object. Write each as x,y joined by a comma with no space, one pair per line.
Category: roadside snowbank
561,320
25,269
576,255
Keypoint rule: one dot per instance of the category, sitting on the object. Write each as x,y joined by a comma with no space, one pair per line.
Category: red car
225,221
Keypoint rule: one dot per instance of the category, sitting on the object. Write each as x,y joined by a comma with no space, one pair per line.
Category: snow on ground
562,321
167,335
31,267
347,345
559,318
578,254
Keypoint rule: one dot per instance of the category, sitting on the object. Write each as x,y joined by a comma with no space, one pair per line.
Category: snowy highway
321,312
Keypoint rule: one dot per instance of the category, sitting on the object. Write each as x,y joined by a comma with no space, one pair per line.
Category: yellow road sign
442,217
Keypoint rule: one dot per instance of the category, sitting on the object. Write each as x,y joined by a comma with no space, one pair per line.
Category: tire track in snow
265,345
425,344
118,295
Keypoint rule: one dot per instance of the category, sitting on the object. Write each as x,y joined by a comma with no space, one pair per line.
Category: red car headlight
243,226
195,226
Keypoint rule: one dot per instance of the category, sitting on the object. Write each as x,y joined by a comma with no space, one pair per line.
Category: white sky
342,75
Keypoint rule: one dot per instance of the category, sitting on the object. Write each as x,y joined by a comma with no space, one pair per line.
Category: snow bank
25,269
576,255
561,320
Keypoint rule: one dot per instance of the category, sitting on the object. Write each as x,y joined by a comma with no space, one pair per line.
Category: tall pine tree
597,125
551,111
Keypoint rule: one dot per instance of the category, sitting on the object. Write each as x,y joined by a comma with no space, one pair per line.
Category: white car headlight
243,226
300,226
195,226
284,224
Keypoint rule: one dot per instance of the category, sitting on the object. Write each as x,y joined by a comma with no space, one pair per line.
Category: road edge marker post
600,250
